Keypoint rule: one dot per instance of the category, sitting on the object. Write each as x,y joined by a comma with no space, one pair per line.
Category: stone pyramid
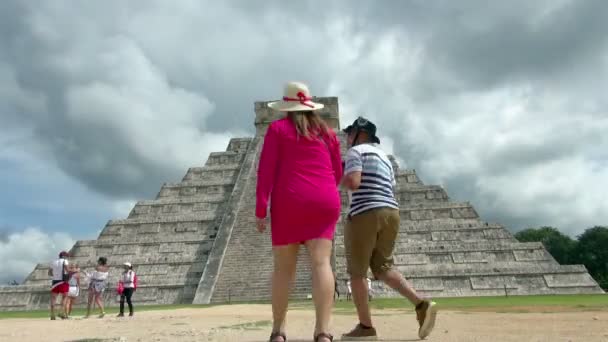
197,243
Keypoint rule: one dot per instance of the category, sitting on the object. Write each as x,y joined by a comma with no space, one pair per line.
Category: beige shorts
369,240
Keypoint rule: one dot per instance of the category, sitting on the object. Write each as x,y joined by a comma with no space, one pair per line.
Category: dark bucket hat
363,125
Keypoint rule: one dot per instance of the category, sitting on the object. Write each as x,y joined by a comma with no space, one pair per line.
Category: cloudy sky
101,102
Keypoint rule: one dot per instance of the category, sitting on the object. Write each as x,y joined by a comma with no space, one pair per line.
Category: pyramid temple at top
197,242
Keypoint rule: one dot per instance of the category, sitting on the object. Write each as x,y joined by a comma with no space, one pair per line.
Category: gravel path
252,323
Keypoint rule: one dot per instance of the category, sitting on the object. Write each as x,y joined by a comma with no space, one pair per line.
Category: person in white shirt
58,270
128,282
349,290
97,286
74,290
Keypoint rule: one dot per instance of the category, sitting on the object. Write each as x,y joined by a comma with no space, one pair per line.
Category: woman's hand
260,224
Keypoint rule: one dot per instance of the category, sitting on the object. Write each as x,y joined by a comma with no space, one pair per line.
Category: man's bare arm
352,181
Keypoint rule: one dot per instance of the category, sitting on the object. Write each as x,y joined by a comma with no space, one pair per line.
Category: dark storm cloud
521,46
477,96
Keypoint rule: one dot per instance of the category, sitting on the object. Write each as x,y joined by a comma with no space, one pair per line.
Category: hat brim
293,106
349,129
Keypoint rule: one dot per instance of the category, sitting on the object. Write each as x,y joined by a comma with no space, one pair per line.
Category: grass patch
540,303
110,311
503,304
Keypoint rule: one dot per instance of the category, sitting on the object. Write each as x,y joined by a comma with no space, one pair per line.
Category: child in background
128,287
74,290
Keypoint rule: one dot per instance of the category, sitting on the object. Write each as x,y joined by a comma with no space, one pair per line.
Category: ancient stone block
569,280
530,255
493,282
411,259
470,257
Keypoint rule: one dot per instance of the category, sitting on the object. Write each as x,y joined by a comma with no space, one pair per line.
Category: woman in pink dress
299,173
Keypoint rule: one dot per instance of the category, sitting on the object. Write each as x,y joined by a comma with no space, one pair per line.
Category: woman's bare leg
285,258
322,283
99,302
89,301
53,300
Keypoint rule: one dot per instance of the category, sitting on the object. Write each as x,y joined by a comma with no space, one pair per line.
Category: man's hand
260,224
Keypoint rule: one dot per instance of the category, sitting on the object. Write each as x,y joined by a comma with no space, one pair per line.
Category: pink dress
301,175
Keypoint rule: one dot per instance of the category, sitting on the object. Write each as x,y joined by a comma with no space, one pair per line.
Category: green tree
592,251
560,246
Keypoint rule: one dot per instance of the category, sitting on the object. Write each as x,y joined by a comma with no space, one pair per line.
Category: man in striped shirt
372,227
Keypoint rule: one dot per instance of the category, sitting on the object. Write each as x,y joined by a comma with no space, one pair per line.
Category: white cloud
487,101
21,251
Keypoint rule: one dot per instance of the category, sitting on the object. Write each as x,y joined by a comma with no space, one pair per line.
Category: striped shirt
377,178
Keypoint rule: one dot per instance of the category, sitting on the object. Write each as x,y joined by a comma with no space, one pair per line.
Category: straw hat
296,98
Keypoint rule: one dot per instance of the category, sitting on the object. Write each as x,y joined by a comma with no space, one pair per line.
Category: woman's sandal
326,335
277,334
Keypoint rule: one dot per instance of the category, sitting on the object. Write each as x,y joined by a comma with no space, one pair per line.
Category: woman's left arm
336,158
266,171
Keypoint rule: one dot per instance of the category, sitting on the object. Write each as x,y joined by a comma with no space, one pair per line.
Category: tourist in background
128,287
372,227
74,290
299,172
97,286
349,290
59,272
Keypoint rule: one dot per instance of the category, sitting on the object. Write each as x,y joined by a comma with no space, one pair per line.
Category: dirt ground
252,323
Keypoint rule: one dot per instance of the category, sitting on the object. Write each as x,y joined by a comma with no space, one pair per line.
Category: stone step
406,228
408,197
158,226
159,265
407,177
468,246
207,232
494,268
176,207
458,234
434,213
143,280
495,285
490,255
147,251
463,246
152,261
438,210
213,173
239,145
211,199
437,225
196,189
151,233
224,158
197,217
424,194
